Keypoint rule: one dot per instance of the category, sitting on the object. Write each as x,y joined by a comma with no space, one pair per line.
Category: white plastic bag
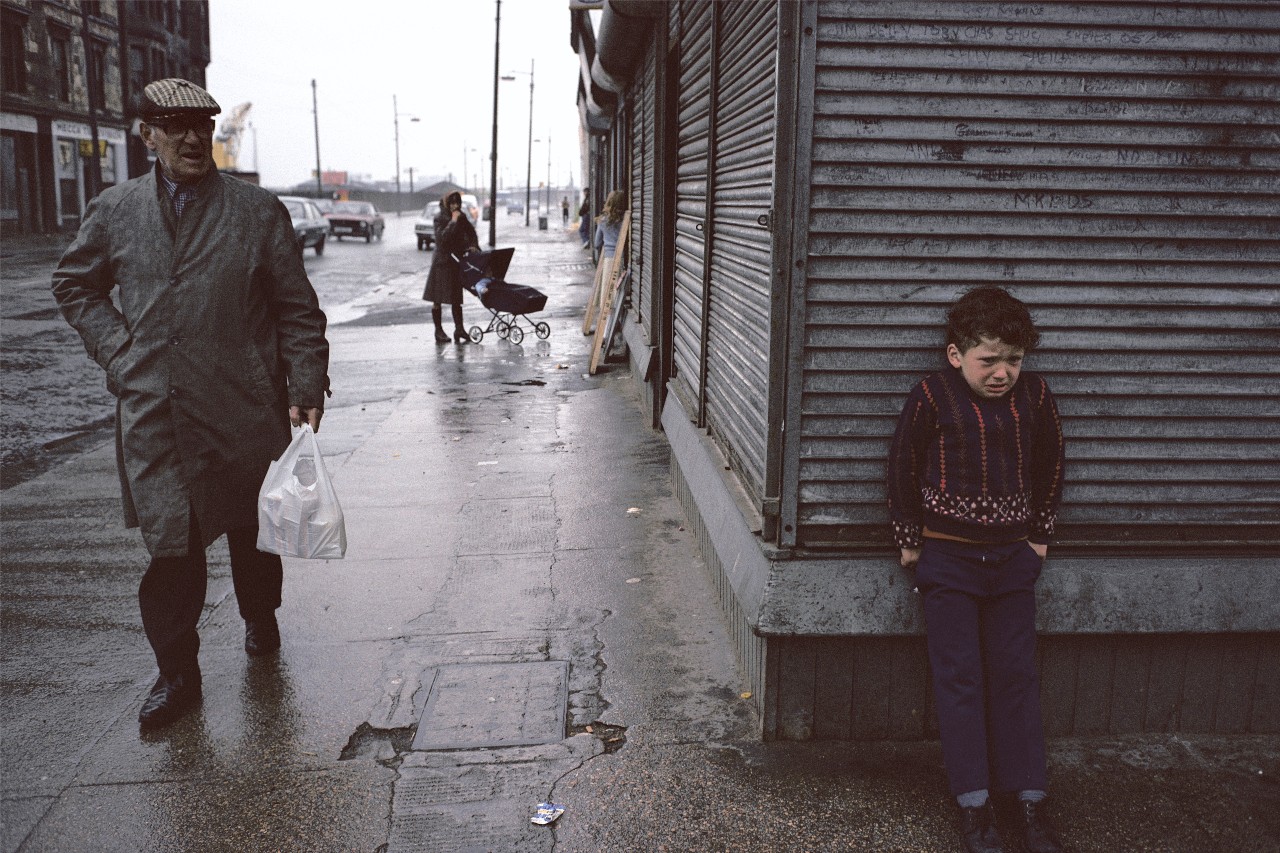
298,511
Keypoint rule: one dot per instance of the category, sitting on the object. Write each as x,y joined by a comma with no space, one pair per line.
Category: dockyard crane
226,145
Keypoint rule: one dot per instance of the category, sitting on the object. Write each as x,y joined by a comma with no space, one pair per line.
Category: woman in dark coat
454,237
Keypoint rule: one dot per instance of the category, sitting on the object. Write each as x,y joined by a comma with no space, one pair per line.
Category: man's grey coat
217,333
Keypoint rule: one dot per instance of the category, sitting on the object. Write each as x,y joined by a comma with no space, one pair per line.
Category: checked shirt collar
179,194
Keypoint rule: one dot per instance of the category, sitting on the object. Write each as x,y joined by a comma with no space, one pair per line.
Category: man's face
184,146
990,367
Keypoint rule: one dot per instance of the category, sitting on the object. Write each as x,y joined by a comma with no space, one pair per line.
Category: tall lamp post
528,179
493,145
315,109
395,111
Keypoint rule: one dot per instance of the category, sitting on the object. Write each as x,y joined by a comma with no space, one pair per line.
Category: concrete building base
833,646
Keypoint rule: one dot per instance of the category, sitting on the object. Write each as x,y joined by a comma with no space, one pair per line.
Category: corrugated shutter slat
1117,167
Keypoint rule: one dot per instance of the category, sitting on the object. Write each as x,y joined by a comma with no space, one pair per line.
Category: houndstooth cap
175,97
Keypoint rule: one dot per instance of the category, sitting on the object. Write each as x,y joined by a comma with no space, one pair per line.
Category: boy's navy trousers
980,618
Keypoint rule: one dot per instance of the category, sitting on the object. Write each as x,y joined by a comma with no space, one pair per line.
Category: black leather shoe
978,830
1037,834
461,337
261,636
442,337
169,699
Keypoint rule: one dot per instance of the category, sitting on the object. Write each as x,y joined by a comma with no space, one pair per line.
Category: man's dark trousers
980,613
172,592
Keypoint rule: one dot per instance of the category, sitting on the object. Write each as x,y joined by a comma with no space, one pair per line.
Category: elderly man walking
218,344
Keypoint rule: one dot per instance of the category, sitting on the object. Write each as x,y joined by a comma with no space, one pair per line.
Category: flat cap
175,97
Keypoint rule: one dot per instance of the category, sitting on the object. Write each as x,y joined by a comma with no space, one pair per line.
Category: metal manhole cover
492,705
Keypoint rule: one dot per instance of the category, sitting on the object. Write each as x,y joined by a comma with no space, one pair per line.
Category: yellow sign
86,147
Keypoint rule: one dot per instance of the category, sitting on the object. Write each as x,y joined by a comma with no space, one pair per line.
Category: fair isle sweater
977,469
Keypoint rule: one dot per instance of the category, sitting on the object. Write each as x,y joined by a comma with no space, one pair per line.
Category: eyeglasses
180,126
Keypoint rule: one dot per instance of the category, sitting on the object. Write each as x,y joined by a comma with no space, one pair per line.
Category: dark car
355,219
309,226
514,207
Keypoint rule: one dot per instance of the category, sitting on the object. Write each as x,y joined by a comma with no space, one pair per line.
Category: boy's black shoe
169,699
978,830
261,635
1037,834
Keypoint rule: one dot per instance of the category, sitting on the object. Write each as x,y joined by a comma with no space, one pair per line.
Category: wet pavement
521,616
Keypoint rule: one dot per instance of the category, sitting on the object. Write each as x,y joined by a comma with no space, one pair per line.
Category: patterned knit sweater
983,470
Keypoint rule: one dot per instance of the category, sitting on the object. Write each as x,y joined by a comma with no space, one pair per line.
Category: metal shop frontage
812,184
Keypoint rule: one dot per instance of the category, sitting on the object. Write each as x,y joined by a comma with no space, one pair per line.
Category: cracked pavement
489,494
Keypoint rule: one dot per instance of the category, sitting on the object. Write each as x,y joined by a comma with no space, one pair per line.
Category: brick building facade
73,72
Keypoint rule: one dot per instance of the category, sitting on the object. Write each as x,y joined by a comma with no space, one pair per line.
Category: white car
471,207
423,227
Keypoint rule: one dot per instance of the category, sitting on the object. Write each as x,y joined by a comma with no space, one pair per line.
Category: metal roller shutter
1117,167
643,187
693,137
741,242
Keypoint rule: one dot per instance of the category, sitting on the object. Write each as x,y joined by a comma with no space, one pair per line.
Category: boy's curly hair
990,312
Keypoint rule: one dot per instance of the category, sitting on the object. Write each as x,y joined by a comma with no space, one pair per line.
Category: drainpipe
95,159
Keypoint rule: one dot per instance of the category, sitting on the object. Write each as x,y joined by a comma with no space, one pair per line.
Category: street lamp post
395,111
493,145
528,179
315,109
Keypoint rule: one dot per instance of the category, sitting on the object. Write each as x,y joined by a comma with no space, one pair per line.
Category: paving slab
470,706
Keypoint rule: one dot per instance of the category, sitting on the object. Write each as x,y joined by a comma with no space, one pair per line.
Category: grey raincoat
217,333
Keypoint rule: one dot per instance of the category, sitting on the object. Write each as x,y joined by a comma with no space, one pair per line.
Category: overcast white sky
435,56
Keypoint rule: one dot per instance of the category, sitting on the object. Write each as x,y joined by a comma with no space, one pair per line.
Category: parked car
355,219
471,207
514,207
423,228
324,205
309,225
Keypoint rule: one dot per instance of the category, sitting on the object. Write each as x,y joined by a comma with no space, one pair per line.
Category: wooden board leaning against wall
603,295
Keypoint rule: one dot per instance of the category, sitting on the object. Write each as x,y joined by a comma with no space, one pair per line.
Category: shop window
60,62
137,74
13,52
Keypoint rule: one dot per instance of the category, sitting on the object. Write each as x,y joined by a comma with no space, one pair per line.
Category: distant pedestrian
564,211
975,478
455,236
584,218
608,229
217,345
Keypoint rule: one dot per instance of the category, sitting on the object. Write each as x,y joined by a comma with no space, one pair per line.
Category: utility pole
395,109
493,151
528,175
315,109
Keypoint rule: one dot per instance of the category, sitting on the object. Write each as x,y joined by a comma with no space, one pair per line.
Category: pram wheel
515,334
476,334
503,329
542,330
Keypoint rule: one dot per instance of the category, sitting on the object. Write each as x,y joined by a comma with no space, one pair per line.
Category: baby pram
482,275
